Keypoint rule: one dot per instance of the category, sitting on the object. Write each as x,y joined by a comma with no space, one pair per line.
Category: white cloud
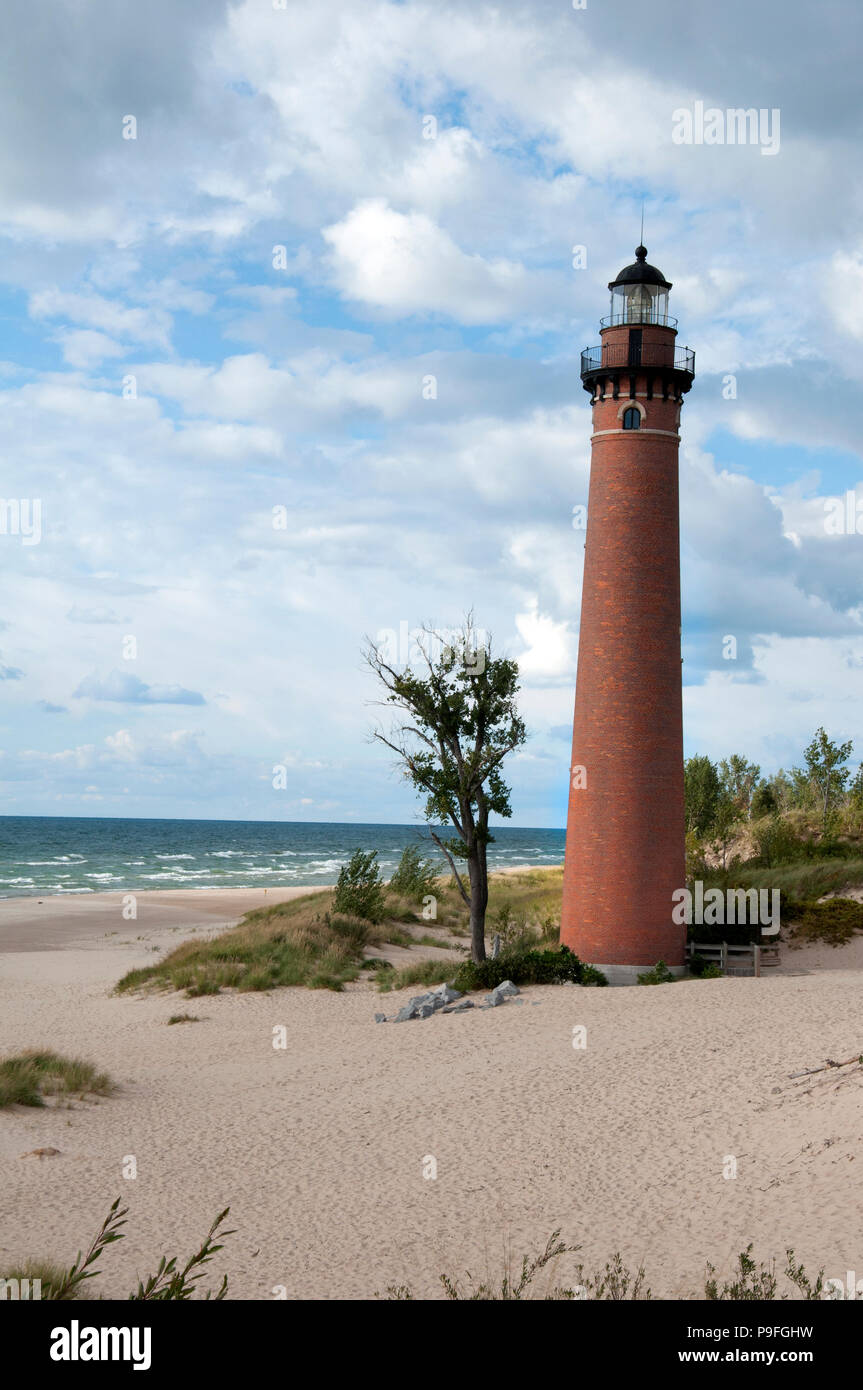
404,263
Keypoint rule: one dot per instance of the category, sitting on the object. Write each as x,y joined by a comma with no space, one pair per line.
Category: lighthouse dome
640,273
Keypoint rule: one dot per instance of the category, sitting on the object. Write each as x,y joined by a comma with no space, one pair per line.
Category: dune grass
52,1277
304,942
293,943
424,972
806,881
27,1078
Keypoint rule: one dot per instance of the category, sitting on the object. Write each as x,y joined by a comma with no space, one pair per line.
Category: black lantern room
640,294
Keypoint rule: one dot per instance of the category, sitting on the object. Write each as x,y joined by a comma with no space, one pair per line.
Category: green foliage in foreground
759,1282
616,1282
28,1077
169,1282
527,968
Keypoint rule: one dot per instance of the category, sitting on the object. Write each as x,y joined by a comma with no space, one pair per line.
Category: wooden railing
724,953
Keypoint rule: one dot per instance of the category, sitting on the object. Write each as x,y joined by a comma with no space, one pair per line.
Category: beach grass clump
51,1277
28,1077
184,1018
424,972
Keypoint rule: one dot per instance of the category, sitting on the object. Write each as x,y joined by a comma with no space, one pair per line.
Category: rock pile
443,1000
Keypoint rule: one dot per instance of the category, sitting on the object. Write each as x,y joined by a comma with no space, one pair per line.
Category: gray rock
445,994
424,1011
380,1018
492,1001
458,1008
412,1009
506,989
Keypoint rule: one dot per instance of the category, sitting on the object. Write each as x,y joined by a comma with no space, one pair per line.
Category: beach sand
319,1147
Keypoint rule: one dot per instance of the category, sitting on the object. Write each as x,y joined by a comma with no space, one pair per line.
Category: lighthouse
625,827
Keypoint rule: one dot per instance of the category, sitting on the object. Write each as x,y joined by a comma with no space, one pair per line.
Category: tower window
632,418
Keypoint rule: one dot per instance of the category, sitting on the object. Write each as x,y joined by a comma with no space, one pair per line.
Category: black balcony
632,316
619,356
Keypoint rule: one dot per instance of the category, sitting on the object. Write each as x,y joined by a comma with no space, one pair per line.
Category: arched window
632,418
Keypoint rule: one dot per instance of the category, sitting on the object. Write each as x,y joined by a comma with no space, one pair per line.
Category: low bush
659,975
527,968
834,921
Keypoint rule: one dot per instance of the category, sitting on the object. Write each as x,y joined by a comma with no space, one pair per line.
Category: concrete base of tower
628,974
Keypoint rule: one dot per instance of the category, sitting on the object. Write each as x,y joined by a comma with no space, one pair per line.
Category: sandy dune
319,1148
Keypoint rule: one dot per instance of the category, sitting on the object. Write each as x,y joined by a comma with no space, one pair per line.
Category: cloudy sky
226,459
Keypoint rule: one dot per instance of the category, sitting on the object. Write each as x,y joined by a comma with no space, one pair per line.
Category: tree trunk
478,900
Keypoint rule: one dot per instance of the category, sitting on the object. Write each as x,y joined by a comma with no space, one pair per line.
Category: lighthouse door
634,347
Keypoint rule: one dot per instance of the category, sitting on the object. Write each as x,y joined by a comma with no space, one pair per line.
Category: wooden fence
750,959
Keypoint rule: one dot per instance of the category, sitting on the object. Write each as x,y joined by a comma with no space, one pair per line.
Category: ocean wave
42,863
174,856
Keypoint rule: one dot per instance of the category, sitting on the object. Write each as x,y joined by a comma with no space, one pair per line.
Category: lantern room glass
639,303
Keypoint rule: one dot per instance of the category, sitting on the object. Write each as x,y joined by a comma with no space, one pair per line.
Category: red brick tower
625,829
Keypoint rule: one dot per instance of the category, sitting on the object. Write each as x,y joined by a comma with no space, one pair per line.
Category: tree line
723,797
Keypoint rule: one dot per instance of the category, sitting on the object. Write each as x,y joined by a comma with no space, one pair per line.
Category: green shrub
359,890
703,969
776,841
834,921
527,968
415,876
659,975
